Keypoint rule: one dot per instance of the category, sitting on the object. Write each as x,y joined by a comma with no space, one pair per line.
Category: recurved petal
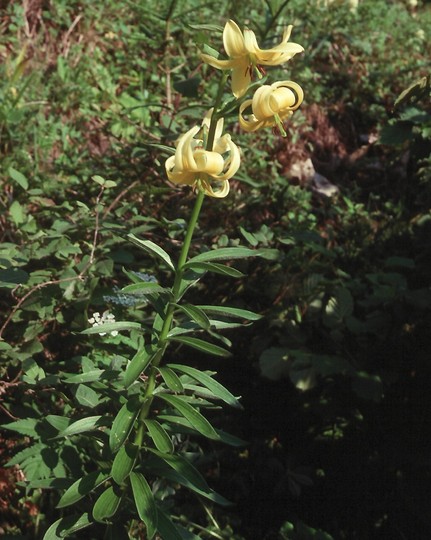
219,192
215,62
286,33
232,162
279,54
234,158
250,41
233,40
251,123
184,160
295,88
170,164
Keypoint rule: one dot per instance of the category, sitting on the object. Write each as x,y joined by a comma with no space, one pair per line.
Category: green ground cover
334,375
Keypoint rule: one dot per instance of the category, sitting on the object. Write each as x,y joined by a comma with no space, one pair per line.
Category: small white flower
97,320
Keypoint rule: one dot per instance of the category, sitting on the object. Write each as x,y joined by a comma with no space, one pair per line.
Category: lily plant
155,404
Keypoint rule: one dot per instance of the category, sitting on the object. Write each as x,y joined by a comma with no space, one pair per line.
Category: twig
3,408
119,197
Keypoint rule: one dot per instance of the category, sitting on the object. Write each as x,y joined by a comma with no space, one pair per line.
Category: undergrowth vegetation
325,308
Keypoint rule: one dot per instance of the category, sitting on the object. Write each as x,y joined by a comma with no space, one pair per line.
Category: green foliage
337,288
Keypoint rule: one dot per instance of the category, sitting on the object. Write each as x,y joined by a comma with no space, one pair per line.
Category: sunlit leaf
206,380
124,462
145,504
18,177
199,422
26,426
179,470
216,268
83,425
67,526
152,248
222,254
107,504
82,487
414,92
201,345
88,376
86,396
123,423
231,312
160,438
195,314
185,468
171,379
58,422
138,364
144,288
110,327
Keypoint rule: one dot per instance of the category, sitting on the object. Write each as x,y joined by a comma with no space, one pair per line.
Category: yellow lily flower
245,55
202,169
271,105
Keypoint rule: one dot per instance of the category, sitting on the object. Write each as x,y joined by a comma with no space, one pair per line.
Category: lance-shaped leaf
231,312
184,467
153,249
88,376
138,364
59,422
144,501
123,462
195,314
216,268
123,423
269,254
178,478
67,526
107,504
166,528
206,380
414,92
171,379
85,424
182,425
181,471
199,422
81,488
160,438
201,345
109,327
190,278
222,254
223,325
145,288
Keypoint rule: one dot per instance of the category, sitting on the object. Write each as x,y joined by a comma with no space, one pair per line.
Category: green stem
214,116
179,274
162,343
